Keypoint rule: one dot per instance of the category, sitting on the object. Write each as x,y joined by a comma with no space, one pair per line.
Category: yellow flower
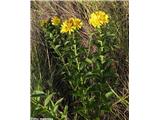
77,23
71,25
98,19
55,20
67,26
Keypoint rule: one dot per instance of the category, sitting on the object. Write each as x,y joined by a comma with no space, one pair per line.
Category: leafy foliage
44,106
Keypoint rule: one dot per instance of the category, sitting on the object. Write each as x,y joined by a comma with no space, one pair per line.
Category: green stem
75,52
62,59
89,47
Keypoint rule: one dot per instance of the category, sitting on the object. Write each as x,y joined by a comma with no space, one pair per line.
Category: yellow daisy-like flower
55,20
77,23
98,19
67,26
71,25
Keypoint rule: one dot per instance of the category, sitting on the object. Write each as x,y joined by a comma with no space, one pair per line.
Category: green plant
43,105
48,73
88,68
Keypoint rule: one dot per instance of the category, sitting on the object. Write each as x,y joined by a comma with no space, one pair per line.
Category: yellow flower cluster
98,19
55,20
71,25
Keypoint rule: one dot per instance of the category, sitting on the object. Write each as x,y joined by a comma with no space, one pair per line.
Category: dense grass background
43,66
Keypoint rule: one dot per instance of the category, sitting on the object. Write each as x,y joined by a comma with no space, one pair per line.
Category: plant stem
75,52
62,59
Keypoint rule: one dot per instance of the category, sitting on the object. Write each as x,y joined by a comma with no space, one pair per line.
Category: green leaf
109,94
51,35
102,59
88,60
55,108
48,99
66,42
56,47
59,101
89,73
110,34
65,110
52,103
37,93
100,42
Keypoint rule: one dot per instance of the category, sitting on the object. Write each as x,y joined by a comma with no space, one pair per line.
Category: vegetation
79,60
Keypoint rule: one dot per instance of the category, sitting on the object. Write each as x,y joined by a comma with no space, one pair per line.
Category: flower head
55,20
98,19
77,23
71,25
67,26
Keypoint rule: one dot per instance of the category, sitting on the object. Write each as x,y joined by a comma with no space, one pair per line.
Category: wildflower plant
87,72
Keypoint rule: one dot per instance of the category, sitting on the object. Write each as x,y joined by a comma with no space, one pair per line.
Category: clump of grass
45,67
